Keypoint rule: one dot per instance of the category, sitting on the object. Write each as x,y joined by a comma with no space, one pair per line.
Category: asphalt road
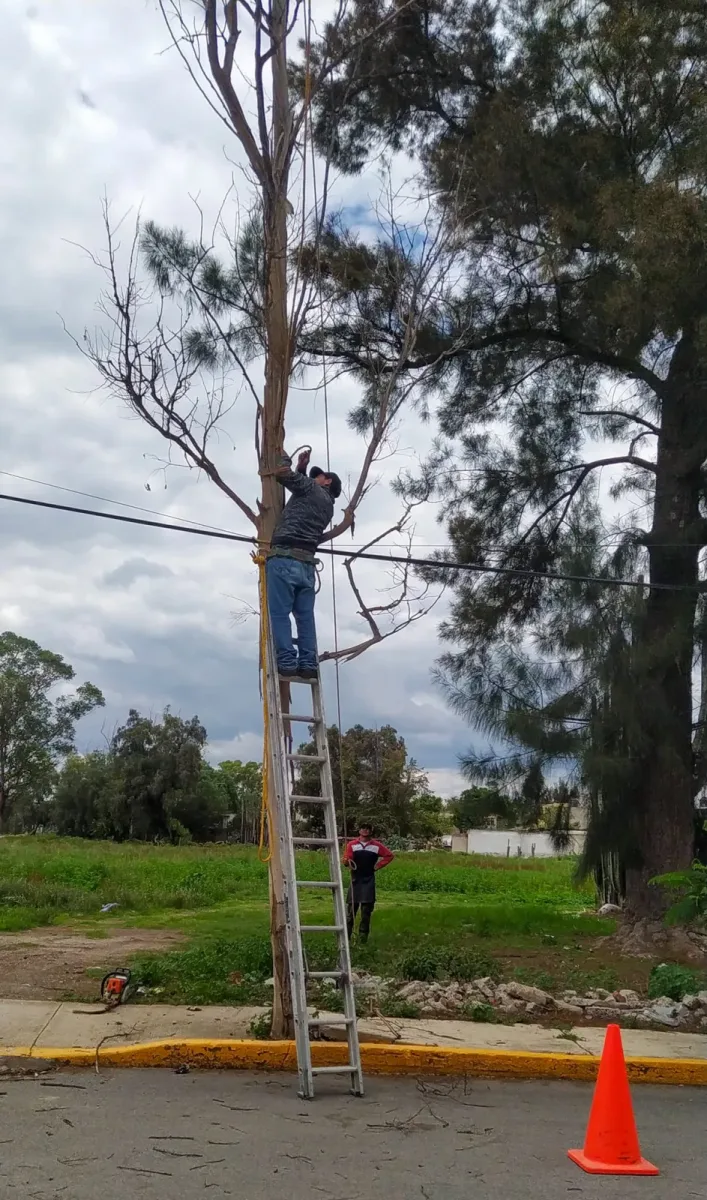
163,1136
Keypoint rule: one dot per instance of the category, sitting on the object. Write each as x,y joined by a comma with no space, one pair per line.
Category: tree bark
278,364
665,804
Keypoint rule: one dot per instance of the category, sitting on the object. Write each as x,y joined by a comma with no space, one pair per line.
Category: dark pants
361,895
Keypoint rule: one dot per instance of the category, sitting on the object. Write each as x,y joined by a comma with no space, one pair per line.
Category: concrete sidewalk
43,1025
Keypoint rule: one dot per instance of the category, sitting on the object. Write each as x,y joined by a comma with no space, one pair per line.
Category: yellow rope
265,814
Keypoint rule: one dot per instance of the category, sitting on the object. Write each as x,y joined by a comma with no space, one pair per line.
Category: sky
94,106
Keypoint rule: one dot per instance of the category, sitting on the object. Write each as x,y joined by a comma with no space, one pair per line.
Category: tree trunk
665,807
278,363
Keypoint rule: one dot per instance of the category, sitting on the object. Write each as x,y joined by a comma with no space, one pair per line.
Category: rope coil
264,854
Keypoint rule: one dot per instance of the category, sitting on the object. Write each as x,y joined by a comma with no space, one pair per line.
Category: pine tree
569,143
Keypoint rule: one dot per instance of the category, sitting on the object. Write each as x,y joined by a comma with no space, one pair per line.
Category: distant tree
475,807
160,765
431,818
373,779
242,788
150,784
87,796
37,724
533,797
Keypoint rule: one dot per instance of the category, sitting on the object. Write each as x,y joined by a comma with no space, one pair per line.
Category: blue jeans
290,586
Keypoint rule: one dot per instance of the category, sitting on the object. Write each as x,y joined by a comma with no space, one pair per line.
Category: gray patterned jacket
306,515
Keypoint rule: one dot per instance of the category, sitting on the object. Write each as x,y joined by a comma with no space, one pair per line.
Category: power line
153,512
609,540
407,559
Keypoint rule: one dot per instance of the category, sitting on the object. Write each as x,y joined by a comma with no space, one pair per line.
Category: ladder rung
307,758
331,1021
313,841
321,928
325,975
316,883
310,799
294,717
344,1068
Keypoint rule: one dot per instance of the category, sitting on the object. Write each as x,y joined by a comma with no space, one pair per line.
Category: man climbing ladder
291,569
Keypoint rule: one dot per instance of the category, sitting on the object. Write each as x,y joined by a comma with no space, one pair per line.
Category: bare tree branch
413,604
617,412
154,371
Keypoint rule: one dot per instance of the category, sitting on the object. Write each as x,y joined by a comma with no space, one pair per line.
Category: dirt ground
51,964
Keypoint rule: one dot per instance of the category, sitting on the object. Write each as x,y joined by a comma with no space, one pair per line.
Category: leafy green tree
241,785
568,142
159,764
431,818
86,800
373,780
37,722
150,784
474,808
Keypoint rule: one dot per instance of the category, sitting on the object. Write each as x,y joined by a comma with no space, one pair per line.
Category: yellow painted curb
377,1060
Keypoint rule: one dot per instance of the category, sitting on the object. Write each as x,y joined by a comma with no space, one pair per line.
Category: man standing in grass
364,855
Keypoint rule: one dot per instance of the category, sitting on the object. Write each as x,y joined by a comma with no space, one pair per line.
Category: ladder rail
293,934
340,902
281,758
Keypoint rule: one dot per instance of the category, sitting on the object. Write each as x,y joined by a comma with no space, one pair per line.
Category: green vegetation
688,892
37,726
485,1013
435,962
375,780
675,981
438,916
564,143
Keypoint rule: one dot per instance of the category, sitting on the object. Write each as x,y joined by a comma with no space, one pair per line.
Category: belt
298,552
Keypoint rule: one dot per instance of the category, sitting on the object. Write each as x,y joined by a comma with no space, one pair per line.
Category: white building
514,843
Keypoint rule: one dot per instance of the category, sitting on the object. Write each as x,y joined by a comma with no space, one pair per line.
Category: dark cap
334,486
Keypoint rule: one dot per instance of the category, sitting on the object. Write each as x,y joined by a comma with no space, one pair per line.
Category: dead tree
183,340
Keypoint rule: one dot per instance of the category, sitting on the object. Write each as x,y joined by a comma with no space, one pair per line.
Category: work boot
308,674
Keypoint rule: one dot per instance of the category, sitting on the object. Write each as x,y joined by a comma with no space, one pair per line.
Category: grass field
437,914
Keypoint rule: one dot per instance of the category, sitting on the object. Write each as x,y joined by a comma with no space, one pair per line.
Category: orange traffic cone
611,1145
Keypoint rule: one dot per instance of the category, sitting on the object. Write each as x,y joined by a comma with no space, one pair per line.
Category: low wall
513,843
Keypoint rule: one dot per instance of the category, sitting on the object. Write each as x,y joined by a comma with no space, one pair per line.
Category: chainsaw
115,987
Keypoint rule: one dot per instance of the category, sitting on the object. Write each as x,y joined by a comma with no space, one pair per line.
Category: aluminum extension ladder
281,760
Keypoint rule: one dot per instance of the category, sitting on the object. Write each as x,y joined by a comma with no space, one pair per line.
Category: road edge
231,1054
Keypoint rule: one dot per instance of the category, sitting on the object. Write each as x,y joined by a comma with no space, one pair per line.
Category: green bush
429,962
216,972
485,1013
260,1027
689,892
396,1006
673,980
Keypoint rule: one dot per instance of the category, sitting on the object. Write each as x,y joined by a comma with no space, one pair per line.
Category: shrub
673,980
429,963
485,1013
259,1027
689,892
395,1006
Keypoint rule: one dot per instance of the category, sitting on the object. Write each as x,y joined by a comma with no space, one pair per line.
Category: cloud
149,616
446,782
246,747
133,569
